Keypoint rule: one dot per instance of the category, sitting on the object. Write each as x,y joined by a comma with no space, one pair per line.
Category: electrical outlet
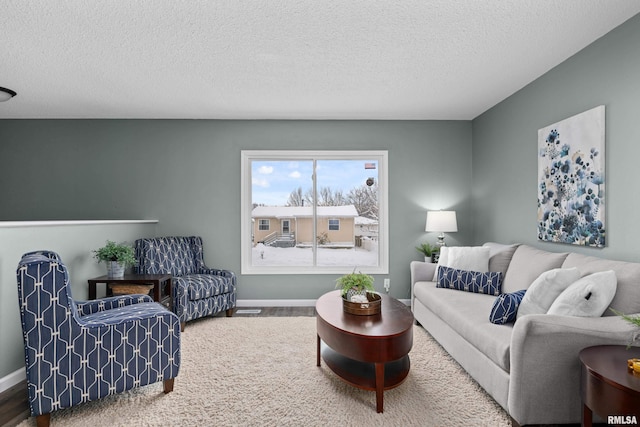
387,284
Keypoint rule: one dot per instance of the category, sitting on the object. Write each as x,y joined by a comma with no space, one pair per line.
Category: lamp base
440,242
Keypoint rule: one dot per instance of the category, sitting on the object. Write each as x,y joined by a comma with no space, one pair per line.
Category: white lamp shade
441,221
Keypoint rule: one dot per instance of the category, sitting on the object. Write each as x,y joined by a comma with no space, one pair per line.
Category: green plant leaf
358,281
634,320
112,251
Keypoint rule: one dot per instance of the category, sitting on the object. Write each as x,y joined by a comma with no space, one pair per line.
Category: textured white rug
261,371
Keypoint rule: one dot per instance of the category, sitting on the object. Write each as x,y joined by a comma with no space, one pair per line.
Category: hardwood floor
276,312
14,405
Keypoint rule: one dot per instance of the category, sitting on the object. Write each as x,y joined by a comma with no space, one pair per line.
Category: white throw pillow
469,258
588,297
443,256
545,289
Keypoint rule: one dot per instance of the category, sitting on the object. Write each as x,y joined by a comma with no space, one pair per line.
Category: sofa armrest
421,272
104,304
544,383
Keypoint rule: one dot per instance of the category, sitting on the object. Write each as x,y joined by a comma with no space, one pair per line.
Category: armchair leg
43,420
182,325
168,386
230,312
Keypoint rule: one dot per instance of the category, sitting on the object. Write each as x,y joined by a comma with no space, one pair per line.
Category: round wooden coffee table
607,387
369,352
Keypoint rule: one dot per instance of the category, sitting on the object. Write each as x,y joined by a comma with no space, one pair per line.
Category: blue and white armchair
197,290
81,351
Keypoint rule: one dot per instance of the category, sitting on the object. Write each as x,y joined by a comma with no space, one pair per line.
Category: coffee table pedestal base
376,377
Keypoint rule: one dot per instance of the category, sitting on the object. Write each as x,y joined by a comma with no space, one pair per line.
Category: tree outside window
332,205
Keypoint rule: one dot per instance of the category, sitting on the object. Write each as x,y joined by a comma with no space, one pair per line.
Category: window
329,207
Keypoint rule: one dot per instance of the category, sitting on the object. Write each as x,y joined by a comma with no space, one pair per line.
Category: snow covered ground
270,256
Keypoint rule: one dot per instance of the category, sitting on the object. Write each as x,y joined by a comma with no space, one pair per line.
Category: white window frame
248,156
265,221
329,224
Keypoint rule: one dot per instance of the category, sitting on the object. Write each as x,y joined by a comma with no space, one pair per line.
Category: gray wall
186,174
505,145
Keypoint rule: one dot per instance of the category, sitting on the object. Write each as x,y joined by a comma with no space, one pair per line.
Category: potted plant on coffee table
117,257
358,293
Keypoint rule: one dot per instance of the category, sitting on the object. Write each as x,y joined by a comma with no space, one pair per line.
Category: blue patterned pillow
505,308
470,281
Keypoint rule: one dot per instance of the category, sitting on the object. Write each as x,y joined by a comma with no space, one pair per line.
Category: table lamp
441,222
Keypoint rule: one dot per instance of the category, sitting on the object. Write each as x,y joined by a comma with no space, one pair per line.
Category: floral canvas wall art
571,180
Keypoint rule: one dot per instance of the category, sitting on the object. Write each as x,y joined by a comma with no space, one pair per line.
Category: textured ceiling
280,59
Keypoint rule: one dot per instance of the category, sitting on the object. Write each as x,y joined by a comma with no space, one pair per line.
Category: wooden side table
161,285
607,387
368,352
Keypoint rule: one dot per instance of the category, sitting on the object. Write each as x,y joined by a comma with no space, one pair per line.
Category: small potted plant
429,251
117,257
358,293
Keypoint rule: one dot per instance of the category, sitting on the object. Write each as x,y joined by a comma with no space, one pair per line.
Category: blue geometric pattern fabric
78,352
45,253
198,290
93,306
166,255
505,307
201,286
471,281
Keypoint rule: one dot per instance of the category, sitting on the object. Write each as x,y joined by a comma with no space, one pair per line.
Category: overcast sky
273,181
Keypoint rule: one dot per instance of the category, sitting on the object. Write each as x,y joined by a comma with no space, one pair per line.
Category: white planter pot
352,292
115,270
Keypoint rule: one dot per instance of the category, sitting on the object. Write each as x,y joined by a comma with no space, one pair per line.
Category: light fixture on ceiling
6,94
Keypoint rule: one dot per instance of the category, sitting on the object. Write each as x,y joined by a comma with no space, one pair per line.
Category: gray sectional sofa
530,367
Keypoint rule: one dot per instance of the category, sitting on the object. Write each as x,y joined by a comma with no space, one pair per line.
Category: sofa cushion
471,258
545,289
627,298
505,307
588,297
466,313
500,256
201,286
470,281
527,264
166,255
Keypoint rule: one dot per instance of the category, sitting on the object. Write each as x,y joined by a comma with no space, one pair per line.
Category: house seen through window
309,212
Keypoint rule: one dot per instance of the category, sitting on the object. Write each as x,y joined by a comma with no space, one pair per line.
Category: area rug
261,371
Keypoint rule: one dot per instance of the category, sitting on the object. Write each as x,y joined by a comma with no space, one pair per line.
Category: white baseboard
12,379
